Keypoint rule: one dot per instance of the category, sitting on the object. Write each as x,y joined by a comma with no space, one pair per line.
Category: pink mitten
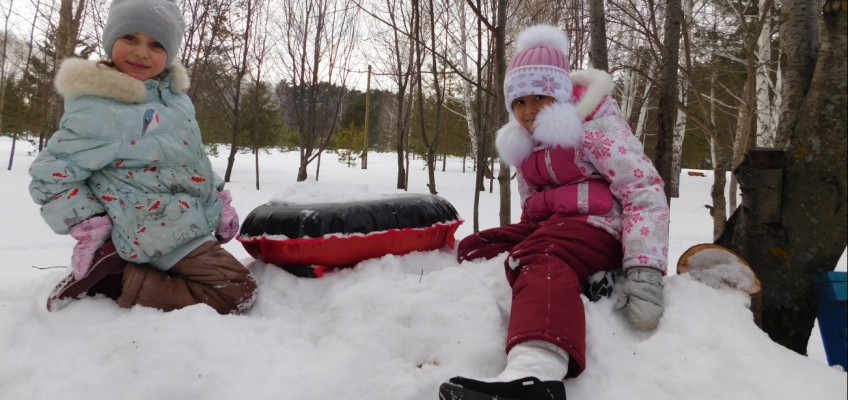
536,208
229,218
90,235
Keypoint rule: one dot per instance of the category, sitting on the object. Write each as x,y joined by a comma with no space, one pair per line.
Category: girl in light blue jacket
128,177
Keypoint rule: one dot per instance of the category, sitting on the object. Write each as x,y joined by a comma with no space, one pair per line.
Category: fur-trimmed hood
558,124
78,77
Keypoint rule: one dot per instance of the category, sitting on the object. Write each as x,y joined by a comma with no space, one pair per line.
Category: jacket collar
597,84
78,77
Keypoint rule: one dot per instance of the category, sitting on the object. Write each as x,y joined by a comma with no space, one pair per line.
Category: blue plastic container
832,312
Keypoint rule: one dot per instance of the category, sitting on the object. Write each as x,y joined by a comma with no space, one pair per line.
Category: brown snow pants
209,275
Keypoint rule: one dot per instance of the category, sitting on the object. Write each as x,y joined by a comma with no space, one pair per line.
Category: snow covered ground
390,328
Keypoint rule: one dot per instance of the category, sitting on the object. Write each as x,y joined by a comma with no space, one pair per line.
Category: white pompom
538,35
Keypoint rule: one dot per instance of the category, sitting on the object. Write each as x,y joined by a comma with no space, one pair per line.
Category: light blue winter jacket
131,149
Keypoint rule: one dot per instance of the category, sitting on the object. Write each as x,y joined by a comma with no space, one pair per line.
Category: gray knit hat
161,19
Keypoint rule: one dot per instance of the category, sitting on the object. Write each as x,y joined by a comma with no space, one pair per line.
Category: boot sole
450,391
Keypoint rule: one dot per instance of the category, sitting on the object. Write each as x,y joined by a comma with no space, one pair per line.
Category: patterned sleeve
618,156
59,176
217,181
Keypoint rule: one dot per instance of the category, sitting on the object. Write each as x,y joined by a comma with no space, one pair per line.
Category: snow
717,267
390,328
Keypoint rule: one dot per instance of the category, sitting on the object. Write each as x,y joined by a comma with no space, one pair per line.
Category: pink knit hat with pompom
539,67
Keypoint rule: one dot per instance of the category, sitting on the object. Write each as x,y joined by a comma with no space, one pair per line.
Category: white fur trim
513,142
539,35
559,125
598,84
78,77
180,81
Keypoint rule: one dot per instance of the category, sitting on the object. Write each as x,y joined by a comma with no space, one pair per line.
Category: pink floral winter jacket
599,170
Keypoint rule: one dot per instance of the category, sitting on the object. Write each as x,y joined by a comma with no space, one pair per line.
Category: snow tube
308,239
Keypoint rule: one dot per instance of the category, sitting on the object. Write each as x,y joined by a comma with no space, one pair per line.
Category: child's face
139,56
526,108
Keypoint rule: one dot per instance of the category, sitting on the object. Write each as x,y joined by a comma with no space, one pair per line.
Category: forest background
702,83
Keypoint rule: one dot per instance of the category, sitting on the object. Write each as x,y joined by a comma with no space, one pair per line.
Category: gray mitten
642,295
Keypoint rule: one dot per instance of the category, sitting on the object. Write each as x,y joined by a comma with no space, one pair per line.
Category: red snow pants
547,262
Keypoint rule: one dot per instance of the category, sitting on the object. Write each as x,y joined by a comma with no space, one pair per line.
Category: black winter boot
459,388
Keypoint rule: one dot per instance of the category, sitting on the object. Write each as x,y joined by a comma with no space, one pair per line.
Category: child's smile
139,55
526,109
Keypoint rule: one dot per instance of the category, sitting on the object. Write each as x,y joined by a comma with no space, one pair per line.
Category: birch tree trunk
741,142
643,112
628,94
766,121
713,159
679,136
631,85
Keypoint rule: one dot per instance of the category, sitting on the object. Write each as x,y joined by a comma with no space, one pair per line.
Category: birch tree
703,115
751,22
639,57
767,98
680,124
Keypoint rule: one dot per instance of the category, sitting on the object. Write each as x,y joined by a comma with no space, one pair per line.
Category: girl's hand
229,226
90,235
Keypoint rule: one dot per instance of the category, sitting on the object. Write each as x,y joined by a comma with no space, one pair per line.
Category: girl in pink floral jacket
591,201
